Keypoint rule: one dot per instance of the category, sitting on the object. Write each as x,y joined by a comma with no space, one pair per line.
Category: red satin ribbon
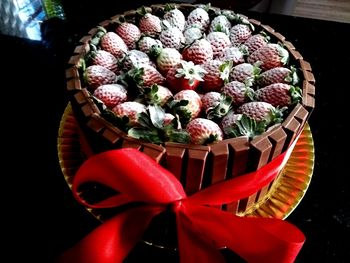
202,229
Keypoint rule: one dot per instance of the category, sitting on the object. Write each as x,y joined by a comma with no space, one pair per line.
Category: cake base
282,198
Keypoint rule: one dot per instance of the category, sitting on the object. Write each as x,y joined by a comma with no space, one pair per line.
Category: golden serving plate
284,196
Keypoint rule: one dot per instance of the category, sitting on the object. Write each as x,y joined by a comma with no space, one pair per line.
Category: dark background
41,217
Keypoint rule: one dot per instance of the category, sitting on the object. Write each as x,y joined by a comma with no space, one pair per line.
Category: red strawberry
97,75
233,54
217,74
200,18
129,109
185,75
278,75
270,55
114,44
238,91
279,94
204,131
218,41
261,111
175,18
239,34
245,72
191,109
199,52
150,25
111,94
129,33
256,41
104,59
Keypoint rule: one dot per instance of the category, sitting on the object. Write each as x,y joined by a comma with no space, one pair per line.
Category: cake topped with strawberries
190,81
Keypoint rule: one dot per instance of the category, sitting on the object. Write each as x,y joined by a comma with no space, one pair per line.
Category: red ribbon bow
201,229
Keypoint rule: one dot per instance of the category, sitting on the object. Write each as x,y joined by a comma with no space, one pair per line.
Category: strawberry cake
207,93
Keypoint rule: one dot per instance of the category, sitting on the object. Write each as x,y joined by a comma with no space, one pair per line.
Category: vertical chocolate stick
175,155
239,154
277,137
259,155
197,156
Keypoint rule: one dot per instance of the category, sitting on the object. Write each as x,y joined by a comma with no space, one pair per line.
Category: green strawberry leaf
212,138
145,135
295,94
179,136
246,126
157,116
144,120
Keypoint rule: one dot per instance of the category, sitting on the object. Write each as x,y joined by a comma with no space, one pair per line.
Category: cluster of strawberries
197,80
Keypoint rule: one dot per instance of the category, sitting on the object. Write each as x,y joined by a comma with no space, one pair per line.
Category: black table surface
44,220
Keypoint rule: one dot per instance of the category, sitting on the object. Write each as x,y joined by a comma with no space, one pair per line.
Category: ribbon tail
112,241
193,247
254,239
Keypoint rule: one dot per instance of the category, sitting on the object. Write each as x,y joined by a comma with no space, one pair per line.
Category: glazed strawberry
145,76
97,75
229,121
278,75
187,104
135,58
145,44
199,52
204,131
239,34
218,41
167,58
217,74
104,59
157,94
150,25
245,72
256,41
156,126
172,37
279,94
129,33
220,23
114,44
111,94
168,118
129,109
233,54
261,111
235,125
185,75
270,55
238,91
175,18
200,18
215,105
192,34
210,100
